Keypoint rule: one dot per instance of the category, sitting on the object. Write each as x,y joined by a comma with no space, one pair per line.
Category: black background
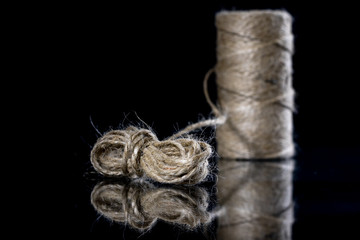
103,63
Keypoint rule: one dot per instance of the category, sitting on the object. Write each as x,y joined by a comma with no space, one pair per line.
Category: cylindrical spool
255,199
253,75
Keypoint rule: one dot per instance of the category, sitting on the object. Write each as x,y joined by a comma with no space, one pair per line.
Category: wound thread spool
253,75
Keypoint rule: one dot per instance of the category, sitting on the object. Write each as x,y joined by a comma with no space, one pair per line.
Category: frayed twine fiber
141,204
256,199
253,75
137,153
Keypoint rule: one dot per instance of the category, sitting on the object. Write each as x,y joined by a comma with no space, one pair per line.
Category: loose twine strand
140,204
255,98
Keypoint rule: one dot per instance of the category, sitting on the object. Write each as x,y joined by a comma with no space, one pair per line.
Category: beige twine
255,96
137,153
253,75
140,204
256,200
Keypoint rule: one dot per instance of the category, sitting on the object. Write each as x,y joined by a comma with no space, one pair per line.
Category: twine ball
137,153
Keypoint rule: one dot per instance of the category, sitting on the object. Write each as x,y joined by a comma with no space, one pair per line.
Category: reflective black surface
326,203
191,217
83,68
325,198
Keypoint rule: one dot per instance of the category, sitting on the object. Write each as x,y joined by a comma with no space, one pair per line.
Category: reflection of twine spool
254,82
256,198
140,204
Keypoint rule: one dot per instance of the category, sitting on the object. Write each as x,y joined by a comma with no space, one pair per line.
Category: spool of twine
256,200
140,204
253,74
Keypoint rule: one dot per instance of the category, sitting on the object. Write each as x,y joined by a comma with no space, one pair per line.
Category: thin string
215,109
219,117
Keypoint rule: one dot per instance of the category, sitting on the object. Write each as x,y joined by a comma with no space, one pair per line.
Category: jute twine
137,153
253,74
140,204
255,114
255,94
256,200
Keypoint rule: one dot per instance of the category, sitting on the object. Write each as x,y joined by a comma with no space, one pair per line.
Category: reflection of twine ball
140,204
138,153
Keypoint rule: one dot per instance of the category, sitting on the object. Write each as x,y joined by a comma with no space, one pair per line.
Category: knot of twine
141,204
137,153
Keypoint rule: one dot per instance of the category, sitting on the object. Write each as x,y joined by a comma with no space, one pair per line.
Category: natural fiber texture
255,95
137,153
256,199
140,204
254,82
